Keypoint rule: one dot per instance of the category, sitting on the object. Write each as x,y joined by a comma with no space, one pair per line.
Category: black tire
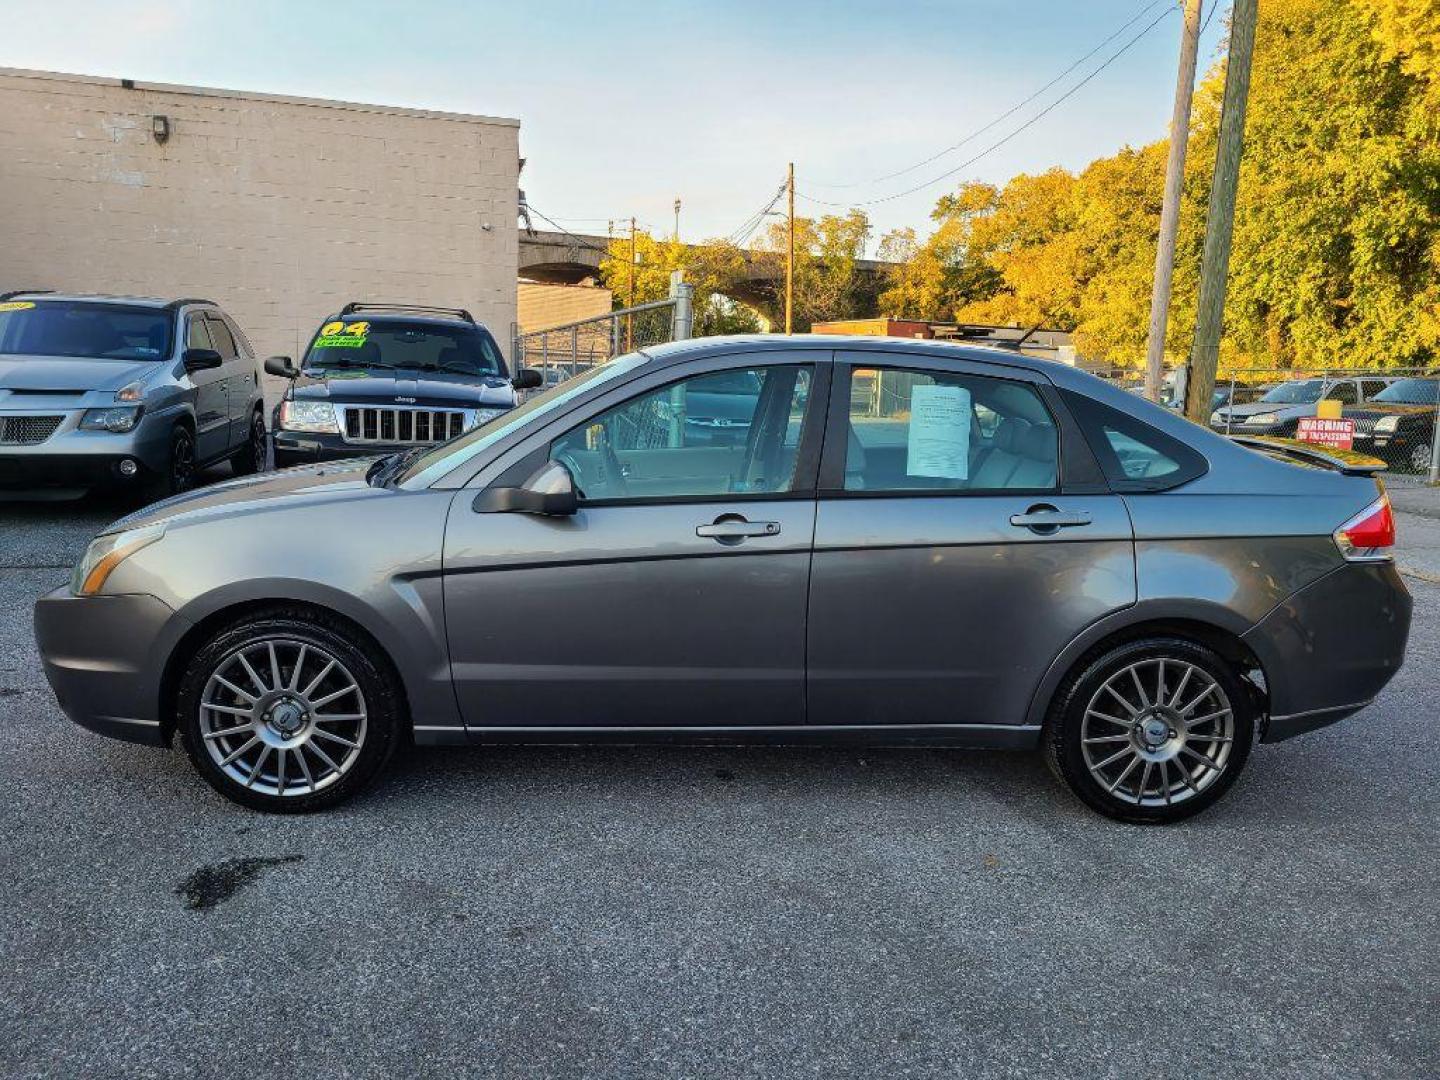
255,454
1080,695
321,635
179,474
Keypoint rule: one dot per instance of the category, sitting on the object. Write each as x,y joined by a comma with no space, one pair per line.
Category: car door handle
1046,519
731,530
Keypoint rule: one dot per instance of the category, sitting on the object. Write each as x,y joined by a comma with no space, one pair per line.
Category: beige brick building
544,305
280,209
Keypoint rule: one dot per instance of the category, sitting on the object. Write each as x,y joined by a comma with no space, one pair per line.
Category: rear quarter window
1134,456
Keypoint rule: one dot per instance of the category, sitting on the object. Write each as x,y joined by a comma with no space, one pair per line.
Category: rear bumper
103,657
1331,648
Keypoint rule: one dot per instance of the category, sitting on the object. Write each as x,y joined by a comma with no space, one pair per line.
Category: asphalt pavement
618,912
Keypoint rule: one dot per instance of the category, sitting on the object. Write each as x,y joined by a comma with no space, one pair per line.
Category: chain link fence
562,352
1392,413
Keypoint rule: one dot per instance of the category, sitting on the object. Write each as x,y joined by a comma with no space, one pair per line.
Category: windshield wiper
392,465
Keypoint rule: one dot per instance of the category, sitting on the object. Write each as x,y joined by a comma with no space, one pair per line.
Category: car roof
107,298
945,350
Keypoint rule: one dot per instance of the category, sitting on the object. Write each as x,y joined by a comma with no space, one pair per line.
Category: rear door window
926,431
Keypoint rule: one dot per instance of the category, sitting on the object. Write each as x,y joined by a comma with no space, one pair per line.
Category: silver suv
136,391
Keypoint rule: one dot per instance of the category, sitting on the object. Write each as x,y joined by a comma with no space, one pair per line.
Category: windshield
1411,392
89,329
1305,392
411,345
439,460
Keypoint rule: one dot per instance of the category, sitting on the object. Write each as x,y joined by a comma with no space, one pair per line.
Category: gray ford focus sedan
913,543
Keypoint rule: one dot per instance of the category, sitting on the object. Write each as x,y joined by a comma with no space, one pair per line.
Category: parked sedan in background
1398,424
125,391
981,549
377,377
1279,409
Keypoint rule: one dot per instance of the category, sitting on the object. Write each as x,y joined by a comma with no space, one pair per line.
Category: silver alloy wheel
263,722
1158,732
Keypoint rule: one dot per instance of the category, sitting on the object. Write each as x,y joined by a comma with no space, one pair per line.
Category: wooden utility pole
1220,219
1170,207
790,254
630,294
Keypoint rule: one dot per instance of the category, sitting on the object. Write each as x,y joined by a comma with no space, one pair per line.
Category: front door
952,560
212,405
676,595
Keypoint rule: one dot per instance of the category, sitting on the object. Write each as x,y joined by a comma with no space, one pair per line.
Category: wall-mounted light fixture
160,128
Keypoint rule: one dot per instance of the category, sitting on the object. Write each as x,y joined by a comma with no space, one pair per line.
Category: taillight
1369,536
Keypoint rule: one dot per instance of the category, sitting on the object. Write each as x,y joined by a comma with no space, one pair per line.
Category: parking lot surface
618,912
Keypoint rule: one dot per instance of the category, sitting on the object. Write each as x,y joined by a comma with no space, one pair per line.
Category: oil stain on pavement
214,884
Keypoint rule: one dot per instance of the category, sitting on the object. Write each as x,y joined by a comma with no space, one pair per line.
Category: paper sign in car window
939,438
339,335
17,305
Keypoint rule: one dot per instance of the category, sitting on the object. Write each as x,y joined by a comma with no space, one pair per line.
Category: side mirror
201,360
282,366
527,379
550,492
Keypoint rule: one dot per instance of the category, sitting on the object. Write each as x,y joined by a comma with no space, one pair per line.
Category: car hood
69,373
1389,408
374,386
332,480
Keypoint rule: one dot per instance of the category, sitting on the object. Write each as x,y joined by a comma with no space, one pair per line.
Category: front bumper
104,657
1330,649
303,448
71,458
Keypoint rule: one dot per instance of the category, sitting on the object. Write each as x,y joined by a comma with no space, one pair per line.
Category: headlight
107,552
1264,418
117,418
309,416
484,416
1387,423
1216,418
134,391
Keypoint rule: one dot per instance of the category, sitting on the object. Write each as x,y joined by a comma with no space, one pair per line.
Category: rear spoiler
1342,461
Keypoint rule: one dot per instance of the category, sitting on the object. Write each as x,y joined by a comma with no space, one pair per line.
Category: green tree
712,267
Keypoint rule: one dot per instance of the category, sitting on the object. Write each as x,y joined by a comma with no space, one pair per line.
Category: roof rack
175,305
354,306
23,292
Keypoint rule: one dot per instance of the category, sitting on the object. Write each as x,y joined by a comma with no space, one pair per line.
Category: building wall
542,306
279,209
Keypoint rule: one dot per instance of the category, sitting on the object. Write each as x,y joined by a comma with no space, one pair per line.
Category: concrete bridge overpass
558,258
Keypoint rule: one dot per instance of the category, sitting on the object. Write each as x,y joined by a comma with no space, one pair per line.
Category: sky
625,106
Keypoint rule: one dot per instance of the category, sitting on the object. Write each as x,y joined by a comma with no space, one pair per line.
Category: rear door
212,406
676,596
964,536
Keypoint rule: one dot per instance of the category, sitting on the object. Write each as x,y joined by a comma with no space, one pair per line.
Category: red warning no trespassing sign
1337,434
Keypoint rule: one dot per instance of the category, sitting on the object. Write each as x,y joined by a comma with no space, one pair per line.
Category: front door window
725,433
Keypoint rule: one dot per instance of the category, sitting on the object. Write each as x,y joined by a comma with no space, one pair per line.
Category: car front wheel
1151,731
288,712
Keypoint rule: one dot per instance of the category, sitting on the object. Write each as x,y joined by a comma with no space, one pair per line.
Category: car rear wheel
1151,731
288,712
254,456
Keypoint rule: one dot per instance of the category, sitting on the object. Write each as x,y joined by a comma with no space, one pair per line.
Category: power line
1002,141
1008,112
561,228
753,222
